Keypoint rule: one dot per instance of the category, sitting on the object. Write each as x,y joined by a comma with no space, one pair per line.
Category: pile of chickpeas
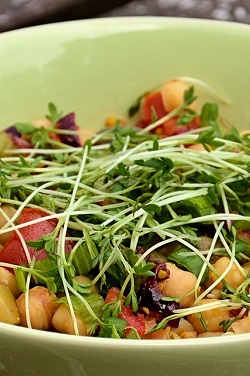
44,313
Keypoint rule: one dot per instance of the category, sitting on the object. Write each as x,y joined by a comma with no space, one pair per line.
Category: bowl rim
42,337
120,23
103,26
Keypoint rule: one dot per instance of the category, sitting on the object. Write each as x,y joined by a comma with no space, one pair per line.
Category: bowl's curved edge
96,27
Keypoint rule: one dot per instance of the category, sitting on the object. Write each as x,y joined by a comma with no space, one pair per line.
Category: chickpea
8,279
86,134
173,94
246,267
184,330
180,284
211,317
210,334
197,147
215,293
204,243
241,326
9,211
42,306
84,279
62,321
233,278
9,312
161,334
42,123
245,131
111,121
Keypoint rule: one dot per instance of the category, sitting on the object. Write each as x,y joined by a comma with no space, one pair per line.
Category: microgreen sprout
124,190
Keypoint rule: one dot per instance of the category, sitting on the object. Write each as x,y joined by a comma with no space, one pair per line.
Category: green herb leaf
54,115
152,209
112,327
25,128
94,300
21,278
134,108
82,258
209,117
189,96
188,260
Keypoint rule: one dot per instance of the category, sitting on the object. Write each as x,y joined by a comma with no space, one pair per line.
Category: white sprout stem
210,253
113,255
125,156
27,295
162,120
126,144
206,307
225,203
61,244
61,269
24,204
183,196
68,212
46,218
24,151
231,254
221,277
172,238
135,236
84,301
216,92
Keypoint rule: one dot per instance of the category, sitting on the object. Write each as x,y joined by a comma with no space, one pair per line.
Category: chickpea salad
139,231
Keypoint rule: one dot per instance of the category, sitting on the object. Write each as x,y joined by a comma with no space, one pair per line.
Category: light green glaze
97,68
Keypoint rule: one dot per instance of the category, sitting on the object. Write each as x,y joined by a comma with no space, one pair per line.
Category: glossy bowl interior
97,68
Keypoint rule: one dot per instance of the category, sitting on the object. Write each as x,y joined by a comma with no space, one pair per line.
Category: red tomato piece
13,251
136,321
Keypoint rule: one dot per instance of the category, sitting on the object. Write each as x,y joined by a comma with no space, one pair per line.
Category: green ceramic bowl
97,68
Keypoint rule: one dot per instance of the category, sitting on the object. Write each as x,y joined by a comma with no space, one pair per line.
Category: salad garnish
138,231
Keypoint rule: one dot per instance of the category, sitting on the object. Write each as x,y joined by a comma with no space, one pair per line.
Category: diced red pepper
153,104
13,251
236,312
136,321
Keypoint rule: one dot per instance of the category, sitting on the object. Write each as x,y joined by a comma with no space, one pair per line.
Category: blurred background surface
16,14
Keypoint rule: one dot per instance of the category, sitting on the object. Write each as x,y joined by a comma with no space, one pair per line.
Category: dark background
16,14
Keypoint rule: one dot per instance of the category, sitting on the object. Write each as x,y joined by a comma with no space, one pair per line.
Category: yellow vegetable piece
9,212
9,312
63,322
9,279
